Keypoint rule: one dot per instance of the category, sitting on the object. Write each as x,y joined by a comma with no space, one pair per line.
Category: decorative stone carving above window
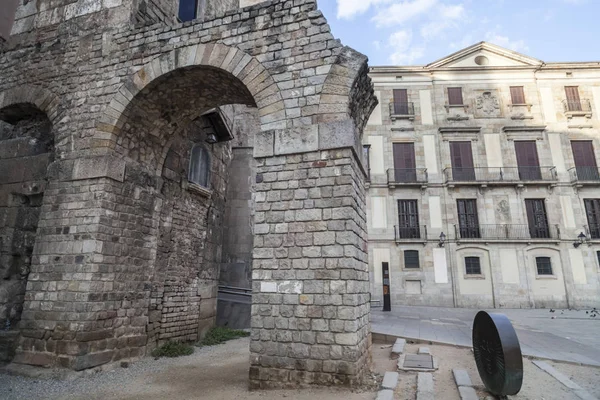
460,133
487,105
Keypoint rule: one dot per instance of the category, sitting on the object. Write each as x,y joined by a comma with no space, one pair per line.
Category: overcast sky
416,32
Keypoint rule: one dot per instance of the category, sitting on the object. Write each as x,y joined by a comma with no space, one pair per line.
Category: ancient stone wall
310,312
127,95
26,150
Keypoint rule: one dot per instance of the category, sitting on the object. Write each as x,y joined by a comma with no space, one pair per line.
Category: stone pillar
310,312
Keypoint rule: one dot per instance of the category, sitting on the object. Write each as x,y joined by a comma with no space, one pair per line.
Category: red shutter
455,96
517,95
461,157
573,101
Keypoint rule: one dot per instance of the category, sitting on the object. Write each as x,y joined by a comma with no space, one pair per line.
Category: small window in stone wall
188,10
199,166
544,265
472,266
411,259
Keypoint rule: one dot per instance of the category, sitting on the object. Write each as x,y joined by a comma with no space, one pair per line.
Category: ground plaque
497,353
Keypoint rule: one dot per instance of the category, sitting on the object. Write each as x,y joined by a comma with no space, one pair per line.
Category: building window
527,160
573,100
592,211
468,220
472,266
461,157
411,259
408,219
401,102
585,160
598,255
455,96
544,265
199,166
404,163
517,95
188,10
537,219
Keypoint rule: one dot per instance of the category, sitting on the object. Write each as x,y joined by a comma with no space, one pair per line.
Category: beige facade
514,242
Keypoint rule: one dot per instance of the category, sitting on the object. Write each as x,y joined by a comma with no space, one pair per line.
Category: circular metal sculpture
497,354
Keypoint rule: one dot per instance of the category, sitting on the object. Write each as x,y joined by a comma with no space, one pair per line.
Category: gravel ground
211,373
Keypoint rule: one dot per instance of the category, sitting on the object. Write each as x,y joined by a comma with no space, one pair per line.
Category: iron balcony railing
593,231
507,232
575,106
402,233
407,175
585,174
501,175
402,108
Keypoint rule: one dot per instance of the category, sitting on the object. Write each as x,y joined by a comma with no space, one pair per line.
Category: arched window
199,166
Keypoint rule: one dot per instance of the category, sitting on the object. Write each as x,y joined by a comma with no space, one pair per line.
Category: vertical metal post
387,305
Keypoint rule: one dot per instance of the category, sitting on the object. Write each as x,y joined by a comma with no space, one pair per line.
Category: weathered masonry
115,183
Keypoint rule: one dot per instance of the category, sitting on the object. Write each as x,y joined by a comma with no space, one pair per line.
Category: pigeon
551,310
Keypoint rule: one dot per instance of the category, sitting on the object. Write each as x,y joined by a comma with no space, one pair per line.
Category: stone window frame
482,257
196,185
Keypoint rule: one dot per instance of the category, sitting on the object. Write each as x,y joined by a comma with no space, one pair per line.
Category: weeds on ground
173,349
220,334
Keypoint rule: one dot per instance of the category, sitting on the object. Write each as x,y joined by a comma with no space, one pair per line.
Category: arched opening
26,151
178,180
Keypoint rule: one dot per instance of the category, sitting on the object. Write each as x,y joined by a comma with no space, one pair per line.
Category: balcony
582,176
417,233
506,233
407,177
500,176
574,108
402,110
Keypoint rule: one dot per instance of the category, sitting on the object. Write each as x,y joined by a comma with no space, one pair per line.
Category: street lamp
580,240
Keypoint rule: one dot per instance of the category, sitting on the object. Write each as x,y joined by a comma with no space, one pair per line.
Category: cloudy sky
416,32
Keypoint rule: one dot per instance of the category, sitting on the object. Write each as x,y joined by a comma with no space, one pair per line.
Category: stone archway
111,213
26,151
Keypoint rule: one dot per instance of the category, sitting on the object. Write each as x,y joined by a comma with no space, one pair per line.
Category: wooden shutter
517,95
468,219
404,162
461,157
408,219
527,160
592,210
585,160
537,218
573,101
455,96
400,102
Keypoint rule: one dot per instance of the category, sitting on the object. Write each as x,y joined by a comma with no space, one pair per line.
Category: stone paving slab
467,393
461,377
425,386
571,337
385,394
390,380
562,378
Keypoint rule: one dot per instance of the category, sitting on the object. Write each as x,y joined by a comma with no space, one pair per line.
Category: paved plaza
572,336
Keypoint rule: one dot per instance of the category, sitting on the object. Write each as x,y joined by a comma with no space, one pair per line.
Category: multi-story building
484,185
